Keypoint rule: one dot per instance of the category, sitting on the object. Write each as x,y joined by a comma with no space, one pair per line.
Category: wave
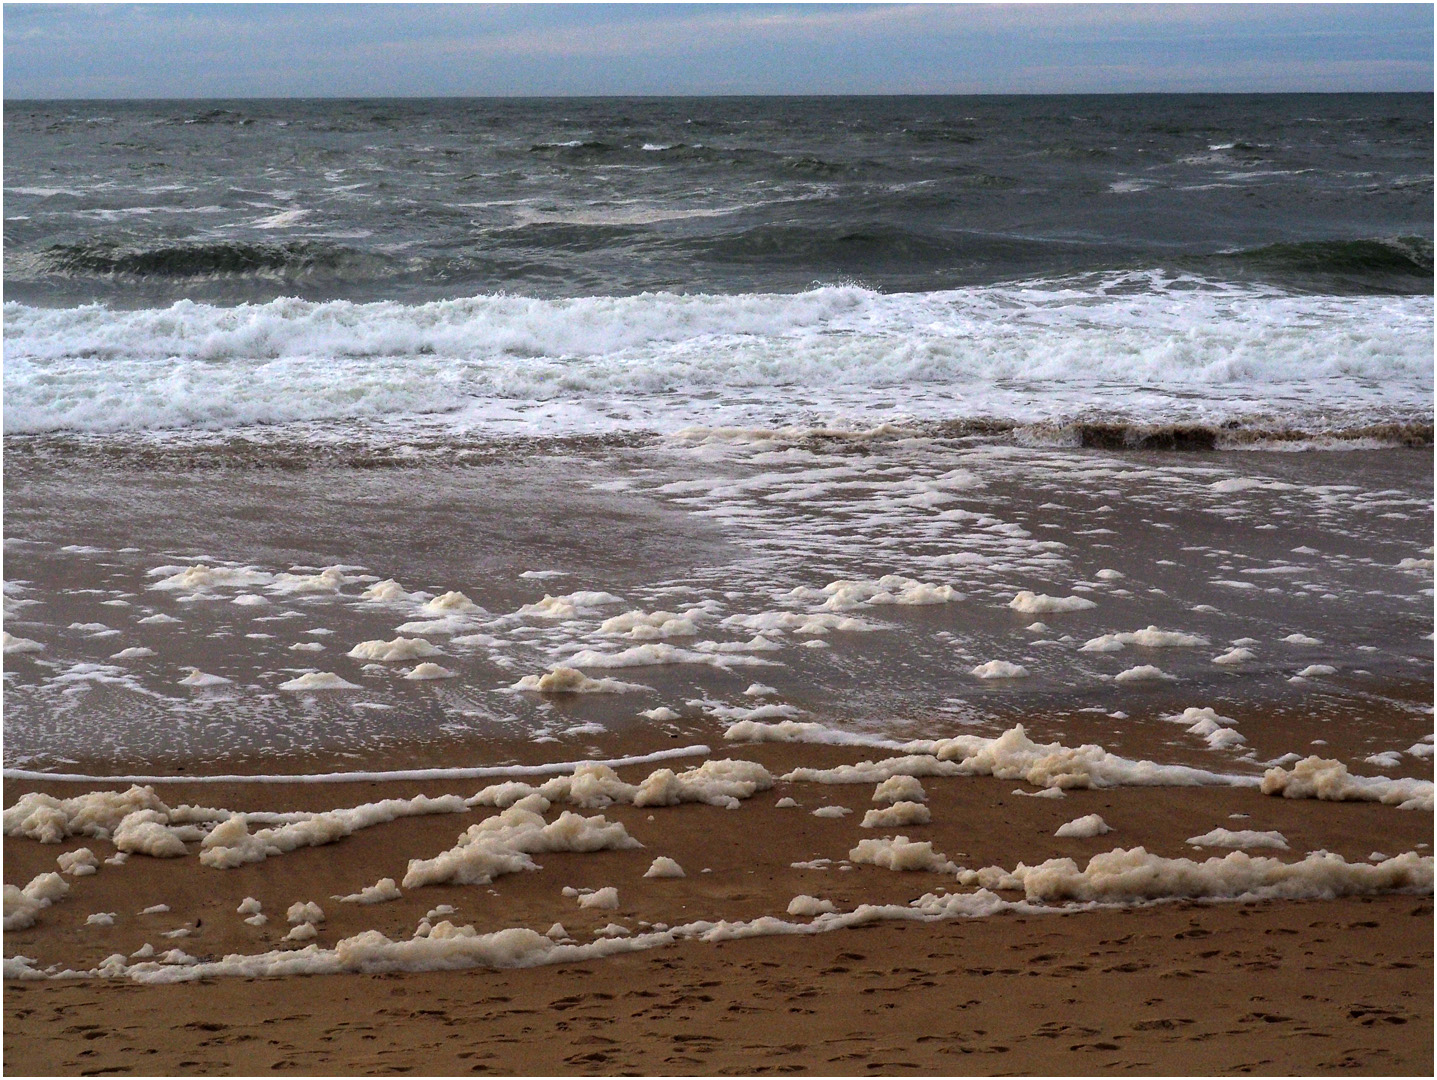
647,154
199,260
589,245
1130,349
1400,256
293,447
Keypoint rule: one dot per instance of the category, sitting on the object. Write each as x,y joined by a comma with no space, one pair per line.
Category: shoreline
922,970
1180,989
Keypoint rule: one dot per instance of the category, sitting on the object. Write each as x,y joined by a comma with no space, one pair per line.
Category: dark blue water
140,204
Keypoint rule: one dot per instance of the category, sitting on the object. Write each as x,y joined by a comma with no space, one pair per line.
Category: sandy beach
1211,928
838,585
1279,986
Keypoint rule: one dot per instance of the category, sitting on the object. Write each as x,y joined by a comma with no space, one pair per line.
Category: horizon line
716,96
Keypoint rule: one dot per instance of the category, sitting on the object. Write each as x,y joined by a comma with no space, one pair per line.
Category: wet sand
1327,545
1289,988
1272,987
1226,547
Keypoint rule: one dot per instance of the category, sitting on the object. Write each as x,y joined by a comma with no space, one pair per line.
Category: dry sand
1271,987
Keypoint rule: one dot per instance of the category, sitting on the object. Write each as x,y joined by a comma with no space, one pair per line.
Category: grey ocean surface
697,394
145,203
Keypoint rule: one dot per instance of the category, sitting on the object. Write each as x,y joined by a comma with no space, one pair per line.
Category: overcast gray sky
363,50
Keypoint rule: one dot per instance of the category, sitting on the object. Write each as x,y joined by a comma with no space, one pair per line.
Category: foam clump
658,654
605,899
1084,828
568,680
785,803
1134,874
148,832
662,714
1000,669
319,680
248,906
817,623
79,863
390,591
569,606
327,580
23,906
1142,673
1014,756
1030,603
100,918
1316,669
845,595
135,652
759,690
1301,639
50,820
789,731
1218,731
648,626
873,772
21,967
503,844
1234,656
305,931
231,844
900,853
1328,780
593,785
832,812
426,671
401,648
1241,838
304,912
450,603
897,815
738,713
722,782
664,867
12,644
200,578
196,677
1149,638
900,789
805,906
381,892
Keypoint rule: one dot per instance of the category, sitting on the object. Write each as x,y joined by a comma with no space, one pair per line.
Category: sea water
925,413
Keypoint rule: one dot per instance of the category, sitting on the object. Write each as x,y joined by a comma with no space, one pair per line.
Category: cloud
461,49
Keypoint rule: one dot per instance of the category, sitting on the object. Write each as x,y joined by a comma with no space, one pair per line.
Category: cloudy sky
360,50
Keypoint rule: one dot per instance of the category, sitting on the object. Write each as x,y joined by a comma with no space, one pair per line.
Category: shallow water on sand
1300,581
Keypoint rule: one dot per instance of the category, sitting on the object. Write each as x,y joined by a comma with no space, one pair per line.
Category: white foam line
517,947
357,777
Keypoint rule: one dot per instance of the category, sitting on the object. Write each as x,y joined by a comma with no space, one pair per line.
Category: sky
445,50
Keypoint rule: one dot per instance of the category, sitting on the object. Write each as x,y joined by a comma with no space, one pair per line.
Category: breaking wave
1164,361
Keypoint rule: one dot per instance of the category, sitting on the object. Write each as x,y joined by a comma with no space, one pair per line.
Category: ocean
701,355
673,458
1252,266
